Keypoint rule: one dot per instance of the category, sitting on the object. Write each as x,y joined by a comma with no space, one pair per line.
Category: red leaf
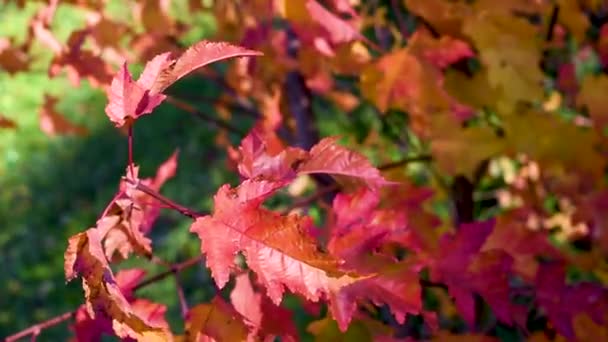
466,271
197,56
339,30
552,292
266,319
153,69
52,123
263,155
128,100
329,157
238,224
396,286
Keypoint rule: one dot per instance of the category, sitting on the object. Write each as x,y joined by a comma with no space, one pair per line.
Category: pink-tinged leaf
104,298
122,227
197,56
552,294
263,155
397,286
266,320
215,321
525,246
128,100
239,224
440,52
165,171
339,30
153,69
329,157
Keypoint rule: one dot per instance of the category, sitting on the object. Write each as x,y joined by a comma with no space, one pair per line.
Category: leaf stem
131,170
153,193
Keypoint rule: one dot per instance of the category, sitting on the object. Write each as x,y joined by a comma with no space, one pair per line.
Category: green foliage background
52,188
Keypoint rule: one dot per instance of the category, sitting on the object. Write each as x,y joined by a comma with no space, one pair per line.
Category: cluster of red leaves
379,247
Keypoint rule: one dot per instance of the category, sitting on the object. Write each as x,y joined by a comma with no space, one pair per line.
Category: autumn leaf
395,285
460,265
217,321
340,31
265,318
84,256
197,56
584,298
328,157
510,49
133,213
128,100
87,328
260,235
53,123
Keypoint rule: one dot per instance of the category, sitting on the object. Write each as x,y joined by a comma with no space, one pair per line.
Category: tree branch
35,330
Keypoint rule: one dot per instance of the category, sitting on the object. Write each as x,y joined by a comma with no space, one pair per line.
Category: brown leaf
53,123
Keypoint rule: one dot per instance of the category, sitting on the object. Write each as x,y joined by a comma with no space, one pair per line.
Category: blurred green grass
51,188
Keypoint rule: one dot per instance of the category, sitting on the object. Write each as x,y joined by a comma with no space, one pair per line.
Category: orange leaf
84,256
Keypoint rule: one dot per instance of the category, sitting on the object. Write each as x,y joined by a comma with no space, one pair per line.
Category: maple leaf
265,319
128,100
197,56
239,224
461,266
262,154
510,52
396,285
215,321
84,256
52,123
511,235
582,298
328,157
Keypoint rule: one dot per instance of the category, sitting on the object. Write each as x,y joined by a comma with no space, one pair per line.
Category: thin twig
405,161
183,303
130,143
151,192
192,110
175,269
399,17
34,330
552,23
